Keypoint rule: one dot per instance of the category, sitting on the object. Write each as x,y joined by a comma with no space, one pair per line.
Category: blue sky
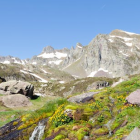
26,26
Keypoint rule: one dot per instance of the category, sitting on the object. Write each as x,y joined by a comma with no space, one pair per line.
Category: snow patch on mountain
44,71
6,62
111,40
120,81
27,70
79,47
24,71
35,75
92,74
57,62
124,53
75,76
47,55
61,82
15,61
34,63
41,79
23,63
124,38
129,44
130,33
59,55
137,47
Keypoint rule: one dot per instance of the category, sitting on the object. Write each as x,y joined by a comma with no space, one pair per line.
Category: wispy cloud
103,7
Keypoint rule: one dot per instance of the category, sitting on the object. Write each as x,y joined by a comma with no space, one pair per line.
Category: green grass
109,104
7,116
48,109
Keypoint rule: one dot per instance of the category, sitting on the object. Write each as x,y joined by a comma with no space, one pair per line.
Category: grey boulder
16,100
134,97
134,135
17,87
82,97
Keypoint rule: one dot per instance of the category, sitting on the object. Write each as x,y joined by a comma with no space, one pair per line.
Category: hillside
33,73
108,115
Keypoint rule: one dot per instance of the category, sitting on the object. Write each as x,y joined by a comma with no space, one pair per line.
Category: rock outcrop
134,135
50,57
17,87
82,97
97,85
7,131
134,97
112,55
11,59
13,101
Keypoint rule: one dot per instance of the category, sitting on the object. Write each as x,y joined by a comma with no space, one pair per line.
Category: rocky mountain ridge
113,55
10,59
107,55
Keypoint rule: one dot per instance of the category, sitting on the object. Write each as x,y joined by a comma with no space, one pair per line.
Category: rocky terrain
101,113
109,55
86,93
31,73
112,55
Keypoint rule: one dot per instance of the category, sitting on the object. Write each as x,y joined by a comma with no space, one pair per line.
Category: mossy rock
77,114
72,107
102,138
87,109
49,130
59,137
116,124
82,132
72,135
15,123
100,131
107,116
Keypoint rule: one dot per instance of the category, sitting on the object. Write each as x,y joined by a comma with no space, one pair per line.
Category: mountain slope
107,116
32,73
113,55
